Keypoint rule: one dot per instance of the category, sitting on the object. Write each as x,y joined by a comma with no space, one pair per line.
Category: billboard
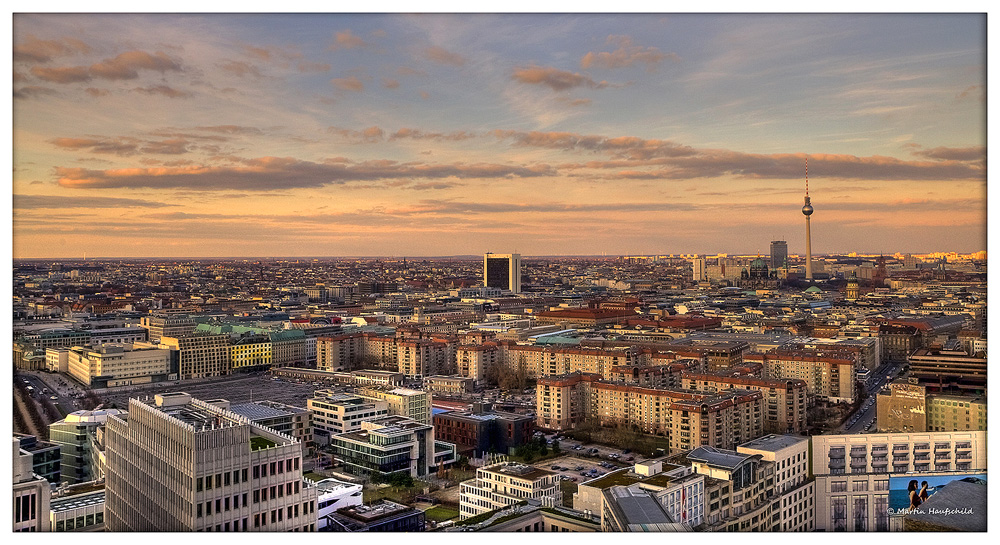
899,494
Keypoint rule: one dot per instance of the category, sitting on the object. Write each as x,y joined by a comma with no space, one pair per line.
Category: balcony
900,457
880,461
837,463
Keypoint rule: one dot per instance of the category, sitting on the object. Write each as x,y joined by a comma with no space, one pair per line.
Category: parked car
555,467
579,468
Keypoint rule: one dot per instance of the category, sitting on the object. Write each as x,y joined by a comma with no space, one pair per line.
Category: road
868,412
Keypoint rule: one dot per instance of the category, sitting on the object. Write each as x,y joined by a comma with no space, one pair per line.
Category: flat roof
774,442
75,502
727,459
259,410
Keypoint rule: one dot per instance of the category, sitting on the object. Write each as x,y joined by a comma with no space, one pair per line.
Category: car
593,451
626,451
573,479
583,473
555,467
630,458
54,398
579,468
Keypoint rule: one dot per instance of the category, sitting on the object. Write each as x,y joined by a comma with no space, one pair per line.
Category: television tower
807,210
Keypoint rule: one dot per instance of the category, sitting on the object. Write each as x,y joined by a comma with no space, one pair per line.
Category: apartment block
504,483
475,360
829,376
784,400
176,463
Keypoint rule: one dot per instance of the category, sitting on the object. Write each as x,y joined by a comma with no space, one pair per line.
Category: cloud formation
279,173
558,80
346,39
350,83
35,50
32,202
626,55
441,55
975,153
164,90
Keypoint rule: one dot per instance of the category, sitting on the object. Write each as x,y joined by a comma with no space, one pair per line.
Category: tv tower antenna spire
807,211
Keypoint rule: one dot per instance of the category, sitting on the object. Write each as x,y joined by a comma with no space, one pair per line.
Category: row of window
280,466
277,491
221,479
221,504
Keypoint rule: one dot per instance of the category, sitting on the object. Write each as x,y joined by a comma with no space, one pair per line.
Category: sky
260,135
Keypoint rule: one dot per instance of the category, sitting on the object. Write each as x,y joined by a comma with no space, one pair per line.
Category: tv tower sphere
807,209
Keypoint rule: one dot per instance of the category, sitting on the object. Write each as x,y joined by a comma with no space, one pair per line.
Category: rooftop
260,410
774,443
79,500
726,459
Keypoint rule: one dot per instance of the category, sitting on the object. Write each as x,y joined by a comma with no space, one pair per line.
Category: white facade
117,364
332,495
506,483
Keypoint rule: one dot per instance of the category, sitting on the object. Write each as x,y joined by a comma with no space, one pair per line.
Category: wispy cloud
556,79
625,55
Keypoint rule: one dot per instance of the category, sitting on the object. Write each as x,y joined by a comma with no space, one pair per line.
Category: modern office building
949,370
477,432
779,254
176,463
46,458
74,435
504,483
502,271
31,493
857,475
391,444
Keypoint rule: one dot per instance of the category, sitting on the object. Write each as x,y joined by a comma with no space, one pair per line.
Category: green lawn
313,476
257,442
440,513
396,494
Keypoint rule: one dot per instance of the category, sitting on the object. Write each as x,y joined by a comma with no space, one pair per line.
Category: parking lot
235,388
584,462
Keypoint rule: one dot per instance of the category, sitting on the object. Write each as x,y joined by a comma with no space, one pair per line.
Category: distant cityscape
633,393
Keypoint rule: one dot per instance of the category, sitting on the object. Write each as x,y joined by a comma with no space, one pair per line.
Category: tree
555,447
377,477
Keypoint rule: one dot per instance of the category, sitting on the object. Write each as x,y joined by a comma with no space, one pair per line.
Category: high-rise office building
502,271
779,254
181,464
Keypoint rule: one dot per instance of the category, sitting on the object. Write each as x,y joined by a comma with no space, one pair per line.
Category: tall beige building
413,404
176,463
167,326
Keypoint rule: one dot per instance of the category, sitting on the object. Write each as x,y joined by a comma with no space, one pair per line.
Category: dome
813,289
807,209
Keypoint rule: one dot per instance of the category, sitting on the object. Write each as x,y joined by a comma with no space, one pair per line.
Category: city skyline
419,135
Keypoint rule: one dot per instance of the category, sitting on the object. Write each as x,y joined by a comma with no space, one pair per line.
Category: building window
838,513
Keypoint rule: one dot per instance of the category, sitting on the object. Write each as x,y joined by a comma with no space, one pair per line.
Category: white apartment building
790,455
175,463
856,473
505,483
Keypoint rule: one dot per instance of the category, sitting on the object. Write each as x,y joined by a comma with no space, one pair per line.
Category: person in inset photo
914,493
924,492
